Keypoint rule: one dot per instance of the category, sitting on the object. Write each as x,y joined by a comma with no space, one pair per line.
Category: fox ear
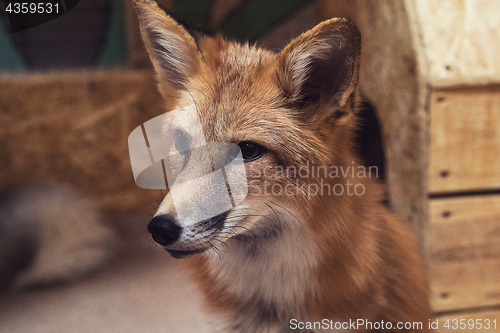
172,49
322,63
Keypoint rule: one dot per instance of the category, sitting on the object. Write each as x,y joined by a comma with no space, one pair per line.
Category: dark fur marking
216,222
271,230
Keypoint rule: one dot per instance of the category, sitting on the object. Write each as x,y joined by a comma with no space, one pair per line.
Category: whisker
274,211
287,211
217,239
216,250
238,216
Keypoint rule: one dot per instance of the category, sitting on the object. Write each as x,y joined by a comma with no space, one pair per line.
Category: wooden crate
465,252
465,139
432,70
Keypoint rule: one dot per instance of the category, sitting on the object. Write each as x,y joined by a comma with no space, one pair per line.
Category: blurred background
72,90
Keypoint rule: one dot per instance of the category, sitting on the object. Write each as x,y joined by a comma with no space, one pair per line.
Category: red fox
310,248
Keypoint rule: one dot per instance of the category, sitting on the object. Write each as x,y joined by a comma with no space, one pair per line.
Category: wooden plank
337,8
280,34
464,262
394,79
474,321
461,40
465,140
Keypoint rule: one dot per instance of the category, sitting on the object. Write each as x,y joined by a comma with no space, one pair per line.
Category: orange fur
346,256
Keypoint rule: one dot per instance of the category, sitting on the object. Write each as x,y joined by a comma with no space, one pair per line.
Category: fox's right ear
322,63
173,50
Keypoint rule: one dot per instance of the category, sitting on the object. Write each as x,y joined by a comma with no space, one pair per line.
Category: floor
144,291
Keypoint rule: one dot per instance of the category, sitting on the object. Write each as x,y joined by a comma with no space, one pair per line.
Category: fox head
284,111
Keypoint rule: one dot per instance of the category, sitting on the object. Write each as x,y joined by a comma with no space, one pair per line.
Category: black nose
164,229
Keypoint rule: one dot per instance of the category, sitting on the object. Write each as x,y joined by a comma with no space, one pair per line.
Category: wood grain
465,252
461,40
465,140
394,79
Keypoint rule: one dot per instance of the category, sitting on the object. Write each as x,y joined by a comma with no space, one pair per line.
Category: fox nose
164,229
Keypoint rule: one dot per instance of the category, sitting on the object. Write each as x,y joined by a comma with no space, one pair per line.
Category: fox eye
251,151
181,141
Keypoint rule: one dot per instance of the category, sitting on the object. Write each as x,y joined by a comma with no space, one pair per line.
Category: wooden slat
461,40
465,140
393,78
485,318
464,263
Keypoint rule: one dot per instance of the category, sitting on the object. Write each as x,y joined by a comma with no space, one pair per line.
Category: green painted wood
196,12
255,17
10,57
115,47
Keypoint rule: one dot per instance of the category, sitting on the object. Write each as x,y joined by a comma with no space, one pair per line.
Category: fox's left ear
321,64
